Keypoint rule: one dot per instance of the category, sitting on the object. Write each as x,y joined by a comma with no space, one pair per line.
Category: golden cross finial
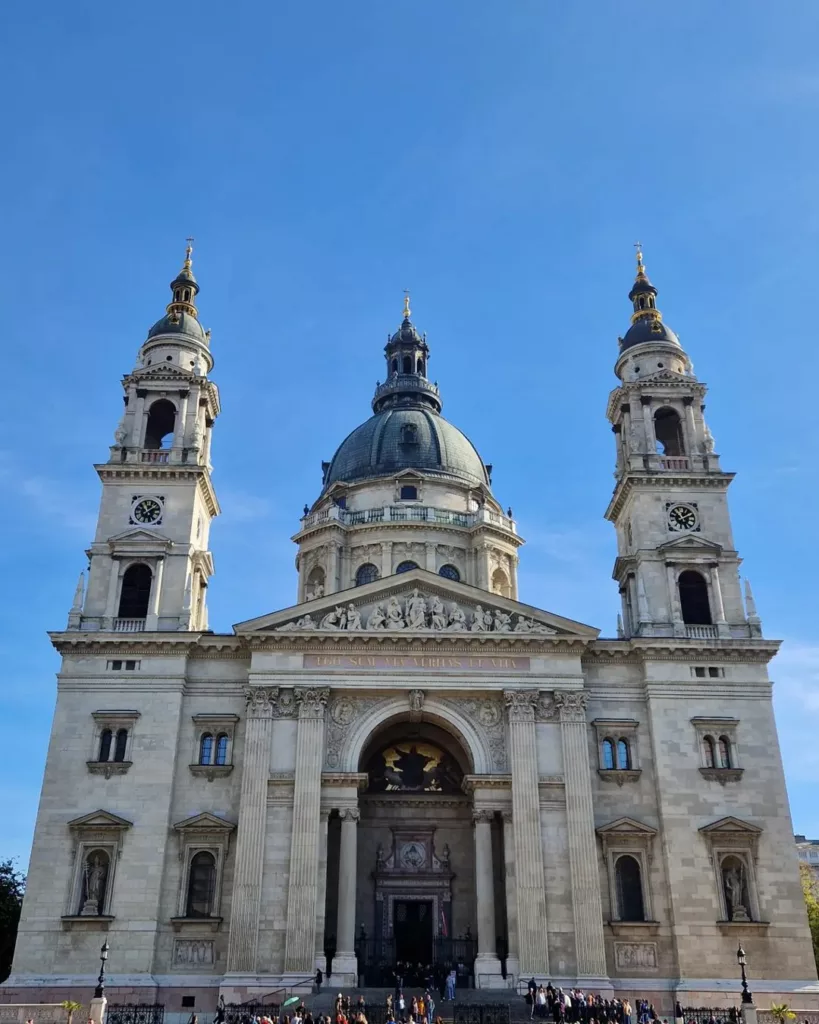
639,247
188,251
407,310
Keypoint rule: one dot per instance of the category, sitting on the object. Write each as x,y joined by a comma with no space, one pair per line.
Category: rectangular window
699,671
188,1001
715,672
124,666
130,666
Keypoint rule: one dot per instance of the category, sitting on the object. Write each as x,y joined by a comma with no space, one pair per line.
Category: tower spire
643,294
184,288
407,310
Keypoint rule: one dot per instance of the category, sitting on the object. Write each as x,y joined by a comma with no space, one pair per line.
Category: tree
810,887
12,887
71,1008
780,1012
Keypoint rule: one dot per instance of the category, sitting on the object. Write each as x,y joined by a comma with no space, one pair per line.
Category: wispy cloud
47,497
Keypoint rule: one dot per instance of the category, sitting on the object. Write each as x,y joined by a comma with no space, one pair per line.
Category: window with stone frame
718,752
732,846
112,741
617,749
212,754
204,842
628,852
97,839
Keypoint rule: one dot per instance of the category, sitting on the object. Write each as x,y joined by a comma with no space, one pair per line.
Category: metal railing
135,1013
129,625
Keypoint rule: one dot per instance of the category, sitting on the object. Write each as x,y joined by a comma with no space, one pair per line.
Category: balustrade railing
674,462
408,514
129,625
701,632
155,455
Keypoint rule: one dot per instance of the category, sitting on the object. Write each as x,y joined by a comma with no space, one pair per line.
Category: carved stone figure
416,704
353,617
734,882
478,625
96,872
336,619
377,619
316,592
120,433
709,441
416,611
503,622
457,618
437,612
395,617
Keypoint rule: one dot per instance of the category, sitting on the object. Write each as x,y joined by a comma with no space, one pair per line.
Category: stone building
410,763
807,850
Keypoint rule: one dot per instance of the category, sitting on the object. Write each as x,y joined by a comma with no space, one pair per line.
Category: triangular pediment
204,822
665,376
626,827
164,371
138,536
100,819
691,542
731,824
418,602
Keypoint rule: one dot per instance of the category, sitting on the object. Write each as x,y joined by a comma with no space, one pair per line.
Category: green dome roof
410,438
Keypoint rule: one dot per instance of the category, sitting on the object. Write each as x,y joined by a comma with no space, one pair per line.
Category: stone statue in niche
733,876
96,874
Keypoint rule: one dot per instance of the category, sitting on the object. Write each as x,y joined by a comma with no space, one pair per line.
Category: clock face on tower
146,511
682,517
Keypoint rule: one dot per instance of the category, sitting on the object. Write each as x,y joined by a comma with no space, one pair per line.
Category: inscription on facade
636,955
416,662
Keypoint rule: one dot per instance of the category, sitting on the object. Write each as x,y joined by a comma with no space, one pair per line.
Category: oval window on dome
407,566
449,572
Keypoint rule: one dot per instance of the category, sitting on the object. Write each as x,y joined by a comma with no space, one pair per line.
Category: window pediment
626,827
691,544
732,827
204,823
100,821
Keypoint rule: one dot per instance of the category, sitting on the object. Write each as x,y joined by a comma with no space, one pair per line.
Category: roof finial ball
641,270
188,251
407,310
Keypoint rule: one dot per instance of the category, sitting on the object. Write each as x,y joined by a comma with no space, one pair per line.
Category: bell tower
149,562
676,567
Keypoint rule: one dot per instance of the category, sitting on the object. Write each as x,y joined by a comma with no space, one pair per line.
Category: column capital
483,817
261,701
506,817
571,705
312,701
350,814
520,704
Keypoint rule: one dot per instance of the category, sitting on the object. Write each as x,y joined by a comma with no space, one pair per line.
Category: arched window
394,366
630,904
500,583
120,744
315,584
420,367
160,425
135,592
95,872
694,598
205,748
105,744
409,494
623,755
221,748
608,754
449,572
724,748
201,885
407,364
668,431
366,573
409,434
406,566
708,756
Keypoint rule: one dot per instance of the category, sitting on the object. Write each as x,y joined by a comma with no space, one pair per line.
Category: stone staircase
376,999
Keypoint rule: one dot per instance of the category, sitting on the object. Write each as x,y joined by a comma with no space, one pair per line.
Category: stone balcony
408,514
158,456
405,382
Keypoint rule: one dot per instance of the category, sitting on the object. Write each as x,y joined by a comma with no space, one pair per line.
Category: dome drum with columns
410,765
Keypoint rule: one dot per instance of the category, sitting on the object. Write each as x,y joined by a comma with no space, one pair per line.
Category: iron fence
135,1013
710,1015
243,1013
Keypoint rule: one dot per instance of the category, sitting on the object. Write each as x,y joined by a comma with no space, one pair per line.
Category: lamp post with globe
747,998
99,991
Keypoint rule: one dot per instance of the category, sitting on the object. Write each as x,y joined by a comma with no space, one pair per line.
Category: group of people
579,1007
399,1009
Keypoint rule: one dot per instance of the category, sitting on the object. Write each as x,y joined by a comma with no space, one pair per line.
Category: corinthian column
300,945
321,897
345,963
586,903
512,959
531,897
485,886
247,881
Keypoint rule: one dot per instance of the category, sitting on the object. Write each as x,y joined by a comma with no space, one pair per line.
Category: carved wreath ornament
416,614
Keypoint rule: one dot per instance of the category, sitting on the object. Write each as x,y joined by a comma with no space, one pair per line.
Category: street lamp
747,998
99,991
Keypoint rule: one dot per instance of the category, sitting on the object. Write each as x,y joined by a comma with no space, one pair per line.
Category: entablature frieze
664,480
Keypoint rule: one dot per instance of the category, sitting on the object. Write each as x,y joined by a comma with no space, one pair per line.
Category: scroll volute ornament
312,701
521,704
261,701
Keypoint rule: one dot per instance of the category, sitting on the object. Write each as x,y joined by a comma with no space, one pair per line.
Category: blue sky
498,159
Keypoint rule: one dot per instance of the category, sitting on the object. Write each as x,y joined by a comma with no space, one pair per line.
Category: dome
412,438
649,330
177,323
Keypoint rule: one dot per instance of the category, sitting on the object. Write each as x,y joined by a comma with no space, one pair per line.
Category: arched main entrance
416,910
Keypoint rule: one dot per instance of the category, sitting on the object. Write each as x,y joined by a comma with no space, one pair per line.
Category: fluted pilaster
321,895
347,868
300,946
586,902
531,897
512,953
484,883
247,880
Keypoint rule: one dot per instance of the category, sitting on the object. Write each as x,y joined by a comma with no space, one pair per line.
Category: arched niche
475,756
419,744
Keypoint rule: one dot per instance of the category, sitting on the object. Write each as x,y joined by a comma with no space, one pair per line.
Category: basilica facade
411,764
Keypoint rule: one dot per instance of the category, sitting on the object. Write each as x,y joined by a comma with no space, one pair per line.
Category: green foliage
70,1008
810,887
781,1012
12,887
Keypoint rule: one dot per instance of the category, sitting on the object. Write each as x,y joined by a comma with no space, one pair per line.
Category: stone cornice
158,471
408,526
641,649
400,643
633,479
